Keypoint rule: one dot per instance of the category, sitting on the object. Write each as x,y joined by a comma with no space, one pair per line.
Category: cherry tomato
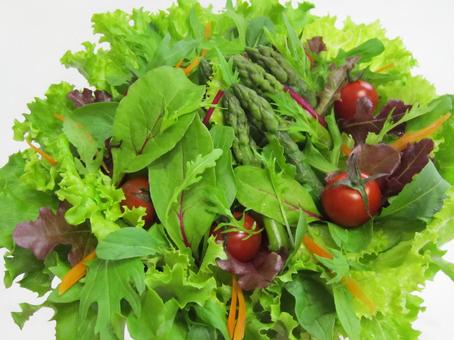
137,194
345,107
243,250
345,206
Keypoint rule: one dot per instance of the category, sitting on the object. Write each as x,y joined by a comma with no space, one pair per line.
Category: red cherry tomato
243,250
137,194
345,107
345,206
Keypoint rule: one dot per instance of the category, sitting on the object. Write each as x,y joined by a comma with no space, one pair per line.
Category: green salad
254,173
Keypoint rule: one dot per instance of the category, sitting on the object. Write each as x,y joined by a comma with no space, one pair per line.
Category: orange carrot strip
346,150
316,249
231,321
44,155
75,273
192,66
384,68
241,322
208,30
59,117
413,137
180,62
354,288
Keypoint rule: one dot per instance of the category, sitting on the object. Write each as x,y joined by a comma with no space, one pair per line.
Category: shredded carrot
75,274
180,63
192,66
346,150
231,321
413,137
208,30
384,68
316,249
59,117
241,322
354,288
44,155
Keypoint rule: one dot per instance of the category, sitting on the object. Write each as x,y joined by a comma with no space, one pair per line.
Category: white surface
35,34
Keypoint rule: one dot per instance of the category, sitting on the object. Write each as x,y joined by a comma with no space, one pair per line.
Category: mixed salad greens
252,173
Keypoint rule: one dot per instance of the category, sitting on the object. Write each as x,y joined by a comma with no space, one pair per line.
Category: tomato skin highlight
240,249
345,207
345,107
137,194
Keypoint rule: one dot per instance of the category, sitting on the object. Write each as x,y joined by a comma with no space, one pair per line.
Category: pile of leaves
221,111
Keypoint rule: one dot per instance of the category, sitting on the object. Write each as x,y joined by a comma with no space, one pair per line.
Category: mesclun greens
232,119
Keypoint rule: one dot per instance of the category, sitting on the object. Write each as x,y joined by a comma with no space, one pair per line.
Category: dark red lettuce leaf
363,121
316,45
87,96
413,159
257,273
376,159
49,230
397,109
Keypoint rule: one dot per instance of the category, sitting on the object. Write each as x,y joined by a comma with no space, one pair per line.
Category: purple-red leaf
397,109
413,159
87,96
257,273
377,159
49,230
362,122
316,45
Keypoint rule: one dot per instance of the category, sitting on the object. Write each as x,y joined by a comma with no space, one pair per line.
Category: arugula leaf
128,243
148,126
188,220
353,240
256,31
108,283
256,192
423,195
27,311
49,230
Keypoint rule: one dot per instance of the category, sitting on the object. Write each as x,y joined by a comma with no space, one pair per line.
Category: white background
35,34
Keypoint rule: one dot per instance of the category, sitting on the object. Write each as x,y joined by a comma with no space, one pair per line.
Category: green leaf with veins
159,325
345,312
69,324
189,219
128,243
107,284
424,194
148,126
255,191
314,307
225,179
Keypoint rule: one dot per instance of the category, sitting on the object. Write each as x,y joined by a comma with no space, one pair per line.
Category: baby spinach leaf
182,209
225,179
153,117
